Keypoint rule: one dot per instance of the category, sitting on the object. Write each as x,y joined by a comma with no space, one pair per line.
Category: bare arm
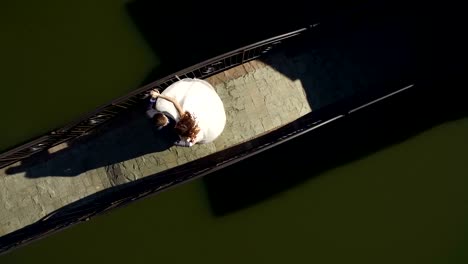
156,94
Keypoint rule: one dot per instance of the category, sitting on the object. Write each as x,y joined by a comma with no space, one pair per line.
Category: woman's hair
160,119
187,126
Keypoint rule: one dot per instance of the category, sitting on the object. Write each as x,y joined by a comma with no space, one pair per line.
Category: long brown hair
187,126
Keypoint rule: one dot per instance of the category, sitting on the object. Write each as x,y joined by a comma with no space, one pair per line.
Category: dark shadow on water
380,47
371,49
368,54
283,167
129,137
183,33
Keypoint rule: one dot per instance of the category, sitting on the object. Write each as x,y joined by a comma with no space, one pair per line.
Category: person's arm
156,94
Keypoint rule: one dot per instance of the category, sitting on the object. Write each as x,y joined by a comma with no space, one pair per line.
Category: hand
183,143
155,93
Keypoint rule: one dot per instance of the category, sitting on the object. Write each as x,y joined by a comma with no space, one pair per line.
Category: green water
62,59
407,203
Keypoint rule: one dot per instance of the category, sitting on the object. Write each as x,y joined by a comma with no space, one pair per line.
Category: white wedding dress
200,99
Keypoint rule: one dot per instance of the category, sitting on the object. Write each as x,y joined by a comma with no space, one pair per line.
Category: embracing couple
193,107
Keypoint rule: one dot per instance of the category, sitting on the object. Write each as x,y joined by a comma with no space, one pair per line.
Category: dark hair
160,119
187,126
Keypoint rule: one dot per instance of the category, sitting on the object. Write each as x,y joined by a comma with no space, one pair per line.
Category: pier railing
102,115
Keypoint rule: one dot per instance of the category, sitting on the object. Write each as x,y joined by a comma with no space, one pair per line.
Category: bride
195,107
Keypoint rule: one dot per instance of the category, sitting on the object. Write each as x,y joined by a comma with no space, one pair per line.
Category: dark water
60,60
406,203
